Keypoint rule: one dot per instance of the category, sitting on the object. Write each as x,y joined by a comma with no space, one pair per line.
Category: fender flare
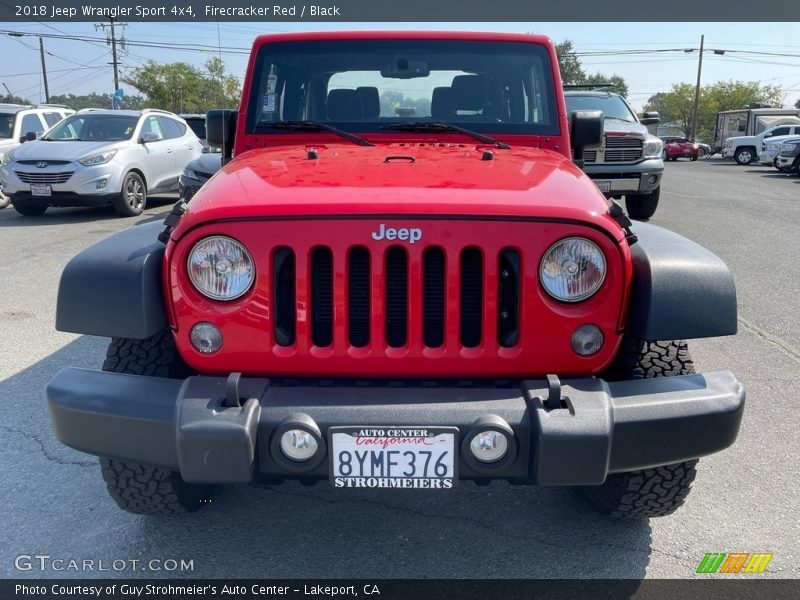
114,288
680,290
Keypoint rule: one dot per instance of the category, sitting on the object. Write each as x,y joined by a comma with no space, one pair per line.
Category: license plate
604,185
41,190
393,457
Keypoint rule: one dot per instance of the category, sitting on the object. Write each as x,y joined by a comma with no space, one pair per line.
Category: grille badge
410,235
41,164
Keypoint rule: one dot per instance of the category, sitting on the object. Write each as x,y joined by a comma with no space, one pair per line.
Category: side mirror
221,130
150,137
28,137
650,117
586,129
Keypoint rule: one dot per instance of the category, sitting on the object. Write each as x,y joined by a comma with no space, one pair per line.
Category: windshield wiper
317,126
619,119
436,126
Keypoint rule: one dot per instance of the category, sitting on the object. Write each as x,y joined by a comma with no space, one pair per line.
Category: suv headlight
572,269
789,147
98,159
652,148
221,268
190,174
6,157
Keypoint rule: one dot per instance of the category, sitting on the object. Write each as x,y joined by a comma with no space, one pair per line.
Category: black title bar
533,11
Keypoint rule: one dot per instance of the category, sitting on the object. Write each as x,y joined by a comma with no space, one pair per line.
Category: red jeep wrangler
402,279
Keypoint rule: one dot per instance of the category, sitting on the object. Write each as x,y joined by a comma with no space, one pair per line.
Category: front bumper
785,161
99,180
767,157
614,178
600,428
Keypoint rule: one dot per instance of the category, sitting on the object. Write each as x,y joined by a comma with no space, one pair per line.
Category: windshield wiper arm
436,126
317,126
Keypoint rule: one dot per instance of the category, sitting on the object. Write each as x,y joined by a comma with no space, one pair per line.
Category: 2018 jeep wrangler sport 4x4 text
402,279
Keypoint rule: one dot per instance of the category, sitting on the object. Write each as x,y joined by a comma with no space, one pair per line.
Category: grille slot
623,149
322,297
283,289
433,290
396,297
508,296
44,178
358,292
471,297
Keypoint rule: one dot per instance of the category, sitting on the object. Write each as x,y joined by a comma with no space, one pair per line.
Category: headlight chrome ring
572,269
221,268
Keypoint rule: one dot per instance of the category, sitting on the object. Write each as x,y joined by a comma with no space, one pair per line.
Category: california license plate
393,457
603,184
41,190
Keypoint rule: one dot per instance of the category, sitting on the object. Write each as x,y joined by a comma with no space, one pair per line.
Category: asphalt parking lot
745,499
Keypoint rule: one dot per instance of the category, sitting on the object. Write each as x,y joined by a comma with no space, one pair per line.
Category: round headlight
572,269
221,268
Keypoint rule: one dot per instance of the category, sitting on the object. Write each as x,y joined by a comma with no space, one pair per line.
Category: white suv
97,157
19,122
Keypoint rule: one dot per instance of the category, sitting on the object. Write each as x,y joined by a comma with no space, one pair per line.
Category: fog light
587,340
653,179
489,446
299,445
206,338
102,183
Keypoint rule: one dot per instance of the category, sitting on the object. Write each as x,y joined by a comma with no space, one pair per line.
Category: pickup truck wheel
658,491
642,206
142,489
744,156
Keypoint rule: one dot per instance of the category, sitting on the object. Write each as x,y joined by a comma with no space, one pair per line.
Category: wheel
642,206
4,200
744,156
142,489
658,491
29,210
694,158
133,198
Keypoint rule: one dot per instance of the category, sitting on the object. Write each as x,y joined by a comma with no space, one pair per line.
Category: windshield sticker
269,103
272,83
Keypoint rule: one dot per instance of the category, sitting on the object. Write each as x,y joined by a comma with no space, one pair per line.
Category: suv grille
44,178
402,283
617,149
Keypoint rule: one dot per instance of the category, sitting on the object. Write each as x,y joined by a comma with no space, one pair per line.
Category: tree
94,100
12,99
183,88
569,64
620,87
677,105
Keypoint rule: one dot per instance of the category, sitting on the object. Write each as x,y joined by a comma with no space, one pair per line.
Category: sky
81,67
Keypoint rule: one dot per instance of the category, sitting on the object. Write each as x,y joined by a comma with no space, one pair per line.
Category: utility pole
697,90
113,41
44,71
116,64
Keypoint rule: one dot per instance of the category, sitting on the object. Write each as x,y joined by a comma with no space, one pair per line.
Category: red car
677,147
410,301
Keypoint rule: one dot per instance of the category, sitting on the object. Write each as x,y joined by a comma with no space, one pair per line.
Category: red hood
443,180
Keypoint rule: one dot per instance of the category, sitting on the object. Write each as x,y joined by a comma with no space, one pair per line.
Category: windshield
93,128
613,107
6,125
362,85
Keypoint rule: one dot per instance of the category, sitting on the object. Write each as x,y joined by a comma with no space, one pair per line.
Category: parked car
19,123
703,149
771,148
744,149
198,172
678,147
789,158
750,120
197,123
399,302
98,157
629,160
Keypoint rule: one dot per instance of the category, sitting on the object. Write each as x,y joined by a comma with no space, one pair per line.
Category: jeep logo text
405,234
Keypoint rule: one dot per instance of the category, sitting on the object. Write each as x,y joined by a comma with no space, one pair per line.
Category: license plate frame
603,184
443,438
41,190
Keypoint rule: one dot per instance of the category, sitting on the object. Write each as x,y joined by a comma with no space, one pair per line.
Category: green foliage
677,105
94,100
572,70
182,88
392,100
12,99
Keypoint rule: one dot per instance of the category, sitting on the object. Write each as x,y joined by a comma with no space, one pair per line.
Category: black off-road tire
658,491
28,210
142,489
133,198
642,206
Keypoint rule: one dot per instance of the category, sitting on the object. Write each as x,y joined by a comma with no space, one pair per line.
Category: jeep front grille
616,149
44,178
404,282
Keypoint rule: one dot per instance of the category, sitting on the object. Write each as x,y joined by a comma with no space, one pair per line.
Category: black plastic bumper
600,428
